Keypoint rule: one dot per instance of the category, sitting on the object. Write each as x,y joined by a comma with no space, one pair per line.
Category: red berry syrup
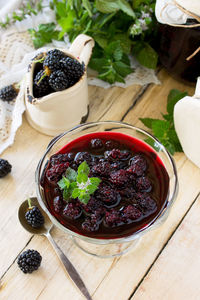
132,193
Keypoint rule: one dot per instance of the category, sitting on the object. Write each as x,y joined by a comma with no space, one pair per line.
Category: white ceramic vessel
59,111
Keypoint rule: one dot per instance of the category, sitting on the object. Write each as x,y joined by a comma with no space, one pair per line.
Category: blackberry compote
132,193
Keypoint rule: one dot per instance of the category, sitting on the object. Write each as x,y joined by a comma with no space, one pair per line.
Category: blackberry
119,178
111,144
72,211
58,81
41,87
131,213
96,144
29,261
72,68
113,218
34,216
9,93
143,184
101,169
138,165
90,224
52,60
55,172
81,156
5,167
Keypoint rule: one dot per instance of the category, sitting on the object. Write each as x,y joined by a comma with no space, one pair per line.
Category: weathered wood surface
137,275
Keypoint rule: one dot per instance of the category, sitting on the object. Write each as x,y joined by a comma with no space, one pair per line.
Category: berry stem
29,204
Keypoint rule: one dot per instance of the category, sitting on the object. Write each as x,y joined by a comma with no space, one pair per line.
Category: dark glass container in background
175,44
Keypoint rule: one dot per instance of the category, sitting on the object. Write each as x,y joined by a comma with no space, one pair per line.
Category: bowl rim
166,206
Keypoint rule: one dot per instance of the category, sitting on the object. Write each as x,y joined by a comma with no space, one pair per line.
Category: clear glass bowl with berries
106,184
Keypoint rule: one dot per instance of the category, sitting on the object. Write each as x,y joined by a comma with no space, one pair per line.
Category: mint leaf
64,183
101,40
84,198
83,168
82,177
173,97
87,5
91,188
71,174
75,193
99,64
126,8
122,69
106,6
95,180
66,194
160,128
164,130
146,55
109,6
114,48
125,42
147,122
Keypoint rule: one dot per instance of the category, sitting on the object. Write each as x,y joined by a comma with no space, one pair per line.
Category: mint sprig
78,184
164,130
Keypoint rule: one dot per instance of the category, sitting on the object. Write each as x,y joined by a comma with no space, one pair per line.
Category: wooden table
166,262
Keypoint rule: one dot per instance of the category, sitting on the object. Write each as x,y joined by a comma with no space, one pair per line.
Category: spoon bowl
21,215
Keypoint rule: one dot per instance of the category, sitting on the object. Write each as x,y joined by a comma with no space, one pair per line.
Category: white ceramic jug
59,111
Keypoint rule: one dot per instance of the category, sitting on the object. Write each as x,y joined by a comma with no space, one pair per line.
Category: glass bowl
115,246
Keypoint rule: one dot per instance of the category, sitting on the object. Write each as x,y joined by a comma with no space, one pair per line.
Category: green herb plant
164,130
120,28
78,184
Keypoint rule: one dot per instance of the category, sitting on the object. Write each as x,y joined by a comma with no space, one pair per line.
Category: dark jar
175,44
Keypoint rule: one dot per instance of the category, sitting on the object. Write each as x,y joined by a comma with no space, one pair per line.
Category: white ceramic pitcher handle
82,47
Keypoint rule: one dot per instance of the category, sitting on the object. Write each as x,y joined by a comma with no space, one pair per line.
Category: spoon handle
70,268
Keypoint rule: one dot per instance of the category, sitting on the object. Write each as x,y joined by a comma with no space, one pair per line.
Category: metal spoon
45,230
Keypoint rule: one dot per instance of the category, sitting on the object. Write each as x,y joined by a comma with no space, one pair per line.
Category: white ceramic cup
59,111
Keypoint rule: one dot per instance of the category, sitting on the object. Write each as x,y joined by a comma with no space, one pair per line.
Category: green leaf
173,97
114,48
88,7
107,6
66,23
71,174
122,68
75,193
95,180
153,144
64,183
137,3
170,147
126,8
82,177
109,76
84,198
174,140
160,127
99,64
83,168
66,194
147,122
101,40
146,55
125,42
91,188
61,9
